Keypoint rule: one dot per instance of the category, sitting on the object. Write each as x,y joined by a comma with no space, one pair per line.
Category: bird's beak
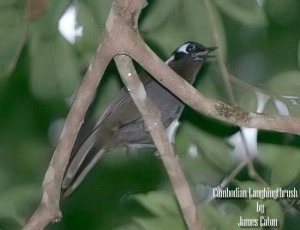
205,53
210,49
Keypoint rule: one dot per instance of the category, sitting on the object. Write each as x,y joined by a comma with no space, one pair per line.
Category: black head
191,51
187,59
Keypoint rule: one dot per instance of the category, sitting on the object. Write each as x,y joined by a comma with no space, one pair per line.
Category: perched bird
121,124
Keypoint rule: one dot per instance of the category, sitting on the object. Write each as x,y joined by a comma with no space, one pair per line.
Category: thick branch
152,119
208,106
48,210
132,44
122,37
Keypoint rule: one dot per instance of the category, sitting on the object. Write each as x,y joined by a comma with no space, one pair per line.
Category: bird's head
191,51
188,58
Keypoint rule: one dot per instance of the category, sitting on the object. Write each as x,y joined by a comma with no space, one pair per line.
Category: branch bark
152,119
48,210
121,36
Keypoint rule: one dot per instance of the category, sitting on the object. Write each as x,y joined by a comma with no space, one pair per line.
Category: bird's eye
190,48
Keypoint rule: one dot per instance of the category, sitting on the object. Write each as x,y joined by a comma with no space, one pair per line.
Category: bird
121,124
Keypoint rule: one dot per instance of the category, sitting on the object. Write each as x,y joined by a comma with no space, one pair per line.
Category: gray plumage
121,124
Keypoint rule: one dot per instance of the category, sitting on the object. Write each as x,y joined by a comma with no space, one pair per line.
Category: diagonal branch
208,106
121,36
48,210
151,116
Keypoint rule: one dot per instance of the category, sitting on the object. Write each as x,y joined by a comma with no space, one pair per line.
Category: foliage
40,71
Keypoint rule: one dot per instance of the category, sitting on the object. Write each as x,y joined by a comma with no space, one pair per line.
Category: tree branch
152,119
121,36
220,54
208,106
48,210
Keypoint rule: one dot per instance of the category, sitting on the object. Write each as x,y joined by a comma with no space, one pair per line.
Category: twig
220,54
226,79
152,119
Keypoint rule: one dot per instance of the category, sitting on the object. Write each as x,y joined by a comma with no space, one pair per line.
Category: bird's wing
122,116
121,101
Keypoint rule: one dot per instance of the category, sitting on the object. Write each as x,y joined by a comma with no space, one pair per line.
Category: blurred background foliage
41,68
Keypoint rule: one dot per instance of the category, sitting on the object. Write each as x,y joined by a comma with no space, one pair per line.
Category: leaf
99,9
206,158
197,20
177,22
268,154
158,203
283,162
273,208
6,3
54,68
286,169
17,199
92,23
167,35
158,13
12,33
131,226
299,54
286,84
283,13
160,223
163,207
249,13
214,217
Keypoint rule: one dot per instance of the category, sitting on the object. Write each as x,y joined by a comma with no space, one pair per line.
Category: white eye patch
183,48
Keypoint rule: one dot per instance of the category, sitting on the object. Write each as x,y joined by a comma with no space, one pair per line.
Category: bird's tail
81,162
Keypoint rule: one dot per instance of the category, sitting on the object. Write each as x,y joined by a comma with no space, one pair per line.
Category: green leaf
283,162
167,35
283,13
211,159
158,203
160,223
168,24
268,154
12,33
164,208
299,54
286,84
131,226
158,13
99,10
197,21
273,207
54,69
91,17
214,217
286,169
16,200
6,3
249,13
